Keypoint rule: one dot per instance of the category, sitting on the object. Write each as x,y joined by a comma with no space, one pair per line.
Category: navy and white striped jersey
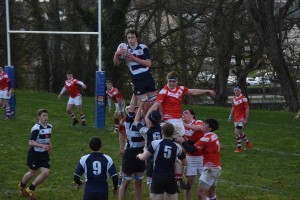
164,153
135,141
97,167
150,134
141,51
41,135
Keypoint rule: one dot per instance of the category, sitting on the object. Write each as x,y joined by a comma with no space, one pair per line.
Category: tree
269,29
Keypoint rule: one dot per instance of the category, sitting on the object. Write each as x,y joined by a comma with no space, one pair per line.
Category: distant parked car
251,81
230,82
263,81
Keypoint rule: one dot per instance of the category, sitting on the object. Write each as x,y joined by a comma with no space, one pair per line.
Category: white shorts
178,126
4,94
194,165
75,101
210,176
120,107
239,123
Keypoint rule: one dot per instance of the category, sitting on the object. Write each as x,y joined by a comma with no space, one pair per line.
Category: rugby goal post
100,75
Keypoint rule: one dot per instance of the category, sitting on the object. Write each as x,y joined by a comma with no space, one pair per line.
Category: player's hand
229,118
80,185
84,86
180,139
211,93
245,122
109,109
115,192
58,97
296,117
130,57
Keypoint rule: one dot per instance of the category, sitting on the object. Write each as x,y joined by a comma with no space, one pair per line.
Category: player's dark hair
40,111
212,123
133,32
95,143
155,117
192,113
167,130
69,72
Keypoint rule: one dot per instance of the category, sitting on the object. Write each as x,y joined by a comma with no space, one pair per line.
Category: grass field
269,171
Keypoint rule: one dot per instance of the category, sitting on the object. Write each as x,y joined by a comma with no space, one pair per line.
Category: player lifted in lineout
139,62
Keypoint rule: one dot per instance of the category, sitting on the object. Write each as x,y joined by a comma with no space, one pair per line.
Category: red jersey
4,81
194,136
115,95
72,87
240,105
210,146
171,101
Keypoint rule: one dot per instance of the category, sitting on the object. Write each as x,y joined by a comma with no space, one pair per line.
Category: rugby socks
244,138
23,185
32,187
72,115
8,111
82,117
239,142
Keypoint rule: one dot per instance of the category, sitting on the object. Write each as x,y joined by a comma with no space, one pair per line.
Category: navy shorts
164,182
36,160
95,196
144,85
149,167
130,164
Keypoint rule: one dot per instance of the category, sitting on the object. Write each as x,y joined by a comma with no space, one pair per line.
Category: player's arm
247,115
146,63
82,84
33,143
120,51
109,102
194,127
189,148
143,156
201,92
77,180
155,106
61,92
231,113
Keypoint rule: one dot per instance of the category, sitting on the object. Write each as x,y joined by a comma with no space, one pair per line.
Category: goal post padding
10,70
100,100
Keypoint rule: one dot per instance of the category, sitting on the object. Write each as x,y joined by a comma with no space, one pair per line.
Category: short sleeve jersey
165,152
171,101
97,167
72,87
240,104
210,146
142,52
40,134
150,134
115,95
4,81
194,136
